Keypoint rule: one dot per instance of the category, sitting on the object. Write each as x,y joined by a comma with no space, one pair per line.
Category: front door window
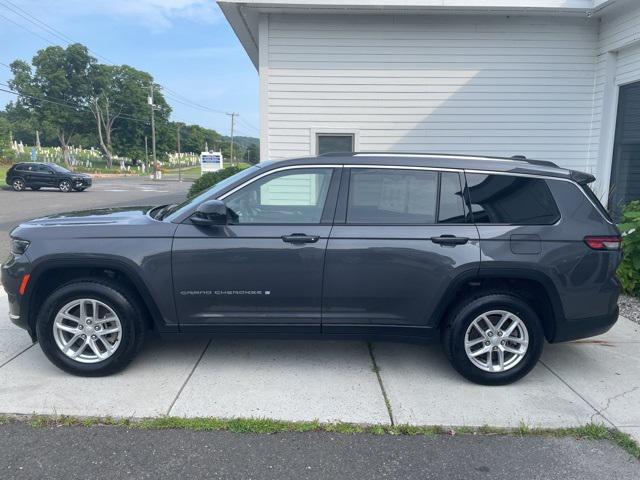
288,197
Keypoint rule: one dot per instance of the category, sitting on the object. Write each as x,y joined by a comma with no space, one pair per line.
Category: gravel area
630,308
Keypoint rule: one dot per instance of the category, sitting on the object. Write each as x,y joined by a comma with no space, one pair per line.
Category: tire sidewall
469,313
127,315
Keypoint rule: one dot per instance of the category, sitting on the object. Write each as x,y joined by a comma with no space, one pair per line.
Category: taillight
604,243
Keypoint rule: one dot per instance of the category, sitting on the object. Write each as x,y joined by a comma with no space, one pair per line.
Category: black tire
461,318
35,188
121,301
65,186
18,184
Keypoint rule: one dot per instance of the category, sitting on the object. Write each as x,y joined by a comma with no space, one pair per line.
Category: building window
334,142
625,169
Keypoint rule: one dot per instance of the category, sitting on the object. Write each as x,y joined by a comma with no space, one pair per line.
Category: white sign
210,162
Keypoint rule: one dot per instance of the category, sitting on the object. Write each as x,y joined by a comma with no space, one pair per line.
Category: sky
187,45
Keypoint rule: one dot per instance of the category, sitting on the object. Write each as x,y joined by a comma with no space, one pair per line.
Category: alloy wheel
65,186
18,185
496,341
87,330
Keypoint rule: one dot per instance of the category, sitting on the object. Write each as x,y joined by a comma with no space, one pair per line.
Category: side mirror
211,212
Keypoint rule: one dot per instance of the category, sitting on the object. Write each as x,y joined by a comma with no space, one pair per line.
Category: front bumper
11,274
82,182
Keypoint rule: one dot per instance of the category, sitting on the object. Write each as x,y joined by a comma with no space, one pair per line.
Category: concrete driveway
595,380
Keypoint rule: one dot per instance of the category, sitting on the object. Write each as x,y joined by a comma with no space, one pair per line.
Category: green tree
6,153
62,77
121,112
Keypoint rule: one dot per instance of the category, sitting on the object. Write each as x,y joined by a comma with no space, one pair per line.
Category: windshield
210,193
58,168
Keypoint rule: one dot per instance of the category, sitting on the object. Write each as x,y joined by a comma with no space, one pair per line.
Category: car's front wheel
493,339
90,328
65,186
18,184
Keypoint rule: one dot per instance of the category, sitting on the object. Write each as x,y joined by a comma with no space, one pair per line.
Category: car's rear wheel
494,339
65,186
90,328
18,184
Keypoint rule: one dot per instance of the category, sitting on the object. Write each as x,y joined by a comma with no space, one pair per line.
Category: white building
553,80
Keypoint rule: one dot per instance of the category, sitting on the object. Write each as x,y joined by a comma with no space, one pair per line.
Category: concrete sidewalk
576,383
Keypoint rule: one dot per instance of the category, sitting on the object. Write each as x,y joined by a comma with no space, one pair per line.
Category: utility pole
153,132
146,150
179,162
37,139
233,121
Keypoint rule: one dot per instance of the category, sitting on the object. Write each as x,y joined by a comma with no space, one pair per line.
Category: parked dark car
35,175
491,256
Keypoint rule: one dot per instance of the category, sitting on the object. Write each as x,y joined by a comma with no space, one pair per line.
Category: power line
62,103
172,94
248,125
175,96
28,30
39,23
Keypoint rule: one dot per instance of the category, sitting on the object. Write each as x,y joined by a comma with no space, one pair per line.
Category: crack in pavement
611,399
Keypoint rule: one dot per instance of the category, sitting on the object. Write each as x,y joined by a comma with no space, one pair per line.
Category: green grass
590,431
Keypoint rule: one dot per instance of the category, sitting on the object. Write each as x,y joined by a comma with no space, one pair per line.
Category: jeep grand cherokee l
493,256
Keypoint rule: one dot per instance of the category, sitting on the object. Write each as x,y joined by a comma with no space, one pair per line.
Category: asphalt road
16,207
116,452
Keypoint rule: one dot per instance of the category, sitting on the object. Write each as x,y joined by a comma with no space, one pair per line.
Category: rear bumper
568,330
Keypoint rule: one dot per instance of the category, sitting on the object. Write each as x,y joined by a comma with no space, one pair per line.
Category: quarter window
511,200
291,196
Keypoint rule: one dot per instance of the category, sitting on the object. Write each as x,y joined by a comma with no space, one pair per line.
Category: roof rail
515,158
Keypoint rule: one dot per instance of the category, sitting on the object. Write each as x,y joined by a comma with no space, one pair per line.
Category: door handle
300,238
449,240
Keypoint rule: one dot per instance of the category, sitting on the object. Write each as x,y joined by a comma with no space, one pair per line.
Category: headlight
18,246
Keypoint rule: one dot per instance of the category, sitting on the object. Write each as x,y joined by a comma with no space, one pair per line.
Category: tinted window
511,200
58,168
451,209
382,196
292,196
334,143
21,167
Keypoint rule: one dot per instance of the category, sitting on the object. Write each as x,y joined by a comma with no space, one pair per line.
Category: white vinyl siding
458,84
619,44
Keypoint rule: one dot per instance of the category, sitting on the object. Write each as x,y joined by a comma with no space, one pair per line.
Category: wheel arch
49,274
534,286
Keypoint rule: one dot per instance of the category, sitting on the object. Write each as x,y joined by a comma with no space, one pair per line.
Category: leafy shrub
211,178
629,270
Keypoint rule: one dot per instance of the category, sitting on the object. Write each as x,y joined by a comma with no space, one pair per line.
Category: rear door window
512,200
451,206
387,196
404,197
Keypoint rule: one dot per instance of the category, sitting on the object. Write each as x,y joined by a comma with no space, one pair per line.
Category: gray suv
492,256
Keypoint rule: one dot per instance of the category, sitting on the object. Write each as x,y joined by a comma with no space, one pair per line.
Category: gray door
264,271
403,239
